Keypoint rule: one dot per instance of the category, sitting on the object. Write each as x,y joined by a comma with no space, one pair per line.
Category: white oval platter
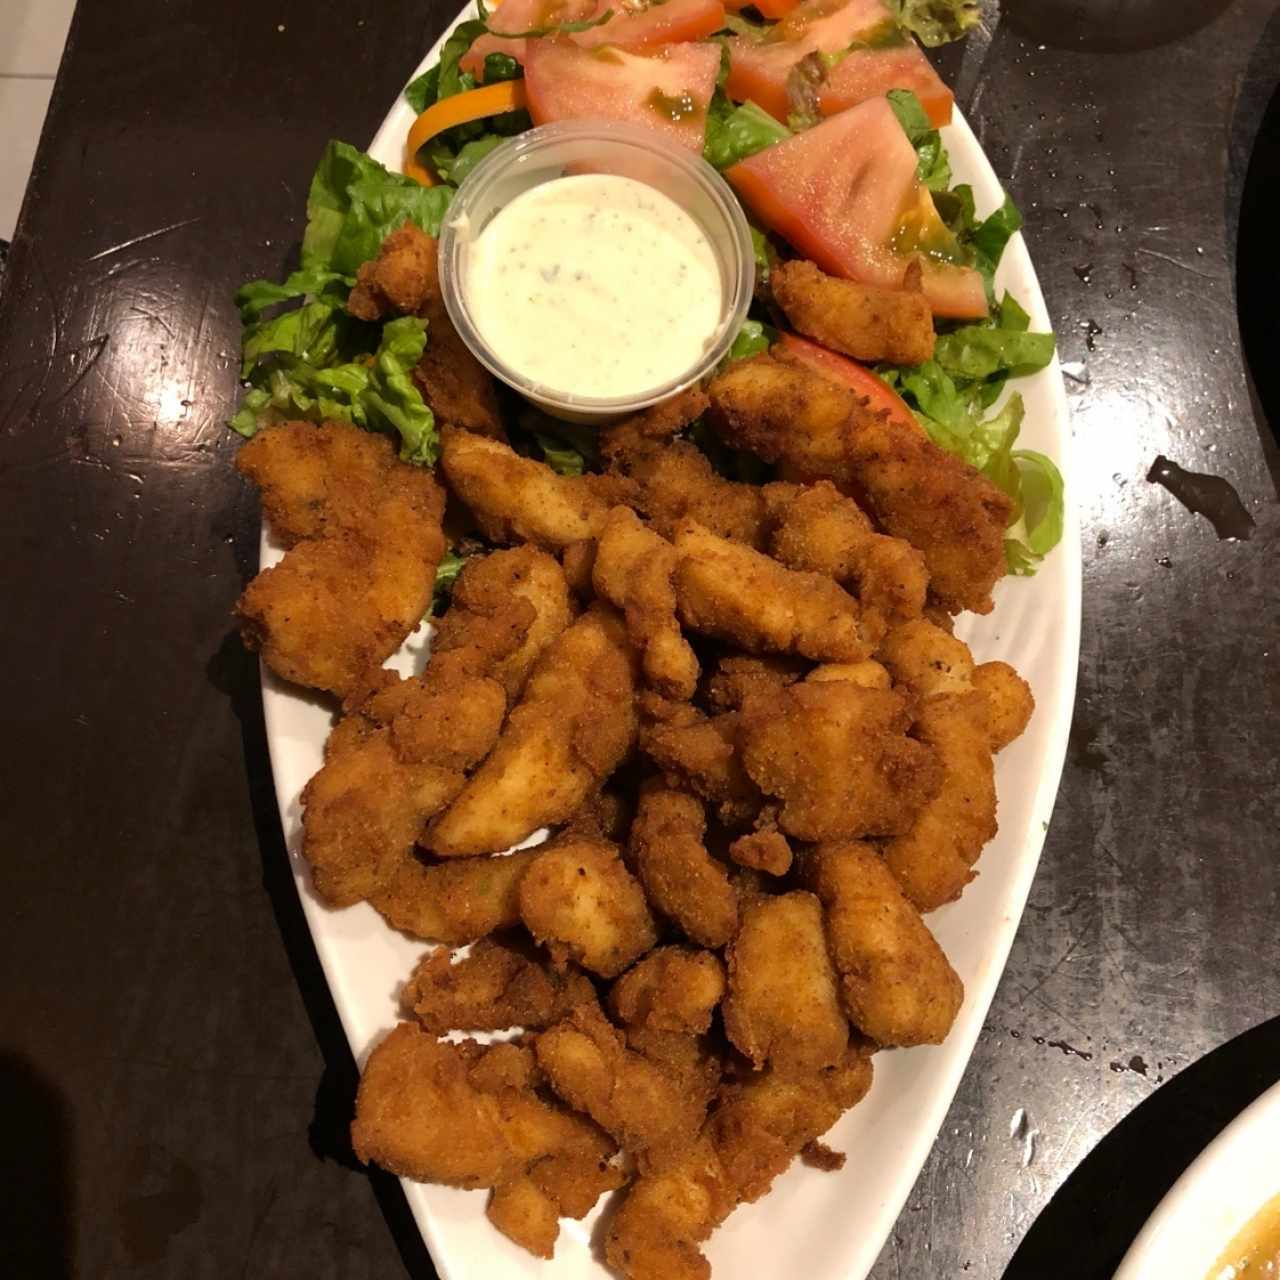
823,1226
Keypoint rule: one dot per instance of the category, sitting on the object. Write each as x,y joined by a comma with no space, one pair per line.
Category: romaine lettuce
937,22
734,133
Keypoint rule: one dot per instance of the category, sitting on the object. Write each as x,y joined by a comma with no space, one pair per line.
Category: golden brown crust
782,1007
897,985
866,322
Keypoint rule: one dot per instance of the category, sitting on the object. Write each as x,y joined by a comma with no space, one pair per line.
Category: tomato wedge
668,91
846,195
521,15
641,26
840,368
890,59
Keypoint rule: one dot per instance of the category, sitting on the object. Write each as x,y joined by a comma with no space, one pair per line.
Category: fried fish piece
454,902
573,726
581,902
681,879
787,413
499,984
1009,702
766,851
463,1114
669,480
361,567
404,279
933,861
667,1214
365,808
819,529
672,989
701,754
838,757
761,1123
633,570
630,1098
516,499
393,764
728,590
897,985
524,1213
866,322
782,1007
738,677
524,587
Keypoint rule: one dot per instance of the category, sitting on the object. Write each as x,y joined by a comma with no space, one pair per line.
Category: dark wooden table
175,1086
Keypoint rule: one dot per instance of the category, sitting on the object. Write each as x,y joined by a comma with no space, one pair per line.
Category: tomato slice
521,15
840,368
846,195
637,24
892,60
668,91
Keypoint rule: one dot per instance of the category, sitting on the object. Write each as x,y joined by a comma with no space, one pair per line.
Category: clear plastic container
598,146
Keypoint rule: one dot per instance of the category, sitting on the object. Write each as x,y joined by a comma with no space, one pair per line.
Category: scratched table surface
175,1086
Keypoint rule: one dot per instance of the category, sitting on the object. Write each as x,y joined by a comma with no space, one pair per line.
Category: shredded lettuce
315,361
753,338
734,133
932,163
446,575
937,22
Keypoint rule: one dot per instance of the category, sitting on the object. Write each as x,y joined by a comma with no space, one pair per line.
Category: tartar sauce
594,285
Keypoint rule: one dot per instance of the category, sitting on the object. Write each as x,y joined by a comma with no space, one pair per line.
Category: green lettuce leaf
932,163
391,400
936,22
753,338
377,393
977,352
446,575
735,132
355,202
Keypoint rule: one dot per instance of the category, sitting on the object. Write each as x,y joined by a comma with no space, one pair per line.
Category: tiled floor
32,33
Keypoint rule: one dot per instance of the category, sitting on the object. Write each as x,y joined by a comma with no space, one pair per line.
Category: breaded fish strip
515,499
455,902
702,755
864,321
759,1125
582,903
838,757
489,593
631,1099
633,570
404,279
785,412
819,529
572,727
395,763
365,808
933,860
681,879
463,1114
666,1215
361,569
672,989
898,986
498,984
782,1007
728,590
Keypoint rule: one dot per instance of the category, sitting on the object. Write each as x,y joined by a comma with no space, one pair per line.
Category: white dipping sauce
594,285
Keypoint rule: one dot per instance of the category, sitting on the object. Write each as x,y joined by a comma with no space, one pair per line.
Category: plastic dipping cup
597,147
